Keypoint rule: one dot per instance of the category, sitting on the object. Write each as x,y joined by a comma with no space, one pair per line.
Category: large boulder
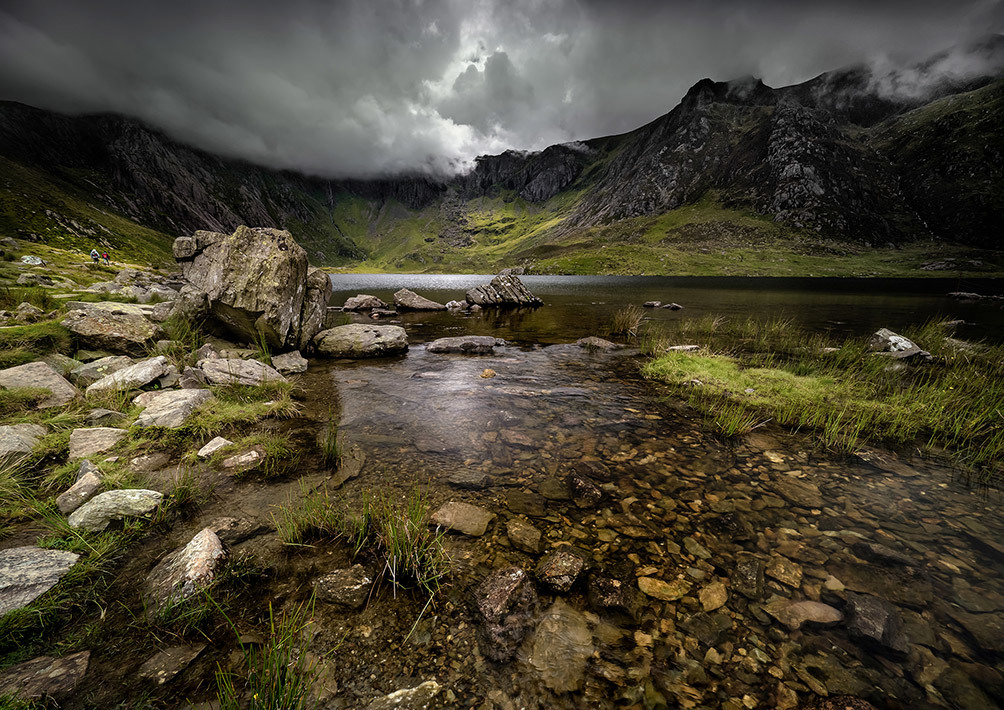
116,332
361,340
234,371
503,290
257,282
140,374
406,300
42,375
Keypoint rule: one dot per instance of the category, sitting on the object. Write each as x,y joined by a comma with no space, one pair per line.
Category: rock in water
95,514
562,644
291,363
185,571
363,302
463,517
507,604
39,374
406,300
27,573
361,340
417,698
349,587
467,344
258,282
504,290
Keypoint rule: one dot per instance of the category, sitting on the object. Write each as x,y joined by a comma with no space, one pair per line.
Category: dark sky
369,87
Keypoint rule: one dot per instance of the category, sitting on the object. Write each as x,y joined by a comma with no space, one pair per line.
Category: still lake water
577,306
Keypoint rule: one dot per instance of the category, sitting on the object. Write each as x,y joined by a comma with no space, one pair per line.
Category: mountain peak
745,90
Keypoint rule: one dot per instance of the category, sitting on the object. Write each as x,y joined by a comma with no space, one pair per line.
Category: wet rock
349,588
466,344
975,602
666,591
456,305
707,628
468,478
554,489
363,302
794,614
695,548
360,340
651,304
956,687
673,306
713,596
89,373
27,573
503,290
87,442
135,376
986,629
880,553
41,375
212,446
463,517
116,332
232,531
747,578
523,535
245,461
899,584
233,371
18,439
785,571
874,620
165,665
173,408
85,488
350,465
525,503
799,492
584,492
594,343
105,417
417,698
185,572
407,300
98,512
506,603
559,569
610,594
45,677
562,646
291,363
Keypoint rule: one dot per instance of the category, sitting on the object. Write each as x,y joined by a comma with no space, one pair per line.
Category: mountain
738,178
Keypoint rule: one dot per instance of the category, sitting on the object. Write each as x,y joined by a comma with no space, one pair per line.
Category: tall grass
12,297
185,336
627,321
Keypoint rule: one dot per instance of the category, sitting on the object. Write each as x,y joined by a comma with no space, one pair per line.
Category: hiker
95,256
106,258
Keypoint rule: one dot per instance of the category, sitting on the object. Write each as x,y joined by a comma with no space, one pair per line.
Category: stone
34,280
594,343
116,332
41,375
707,628
232,531
666,591
105,417
165,665
257,282
803,494
192,378
45,677
794,614
417,698
651,304
463,517
185,572
244,461
85,488
358,340
785,571
406,300
885,340
986,629
315,306
19,439
456,305
880,553
234,371
608,594
466,344
839,702
696,549
98,512
173,408
562,646
348,588
506,604
554,489
559,569
291,363
469,478
672,306
713,596
135,376
27,573
212,446
27,313
503,290
89,373
585,493
87,442
523,535
875,620
525,503
363,302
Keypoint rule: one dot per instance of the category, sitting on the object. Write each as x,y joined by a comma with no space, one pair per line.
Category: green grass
330,443
627,321
185,336
25,343
12,297
752,372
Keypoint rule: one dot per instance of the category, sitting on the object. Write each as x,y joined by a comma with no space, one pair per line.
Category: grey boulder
97,513
361,340
91,372
41,375
87,442
18,439
140,374
363,302
406,300
503,290
117,332
466,344
173,408
291,363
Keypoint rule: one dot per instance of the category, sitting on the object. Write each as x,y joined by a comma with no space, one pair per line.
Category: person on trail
106,258
95,256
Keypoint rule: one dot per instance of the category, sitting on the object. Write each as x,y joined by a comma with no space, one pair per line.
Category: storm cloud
365,88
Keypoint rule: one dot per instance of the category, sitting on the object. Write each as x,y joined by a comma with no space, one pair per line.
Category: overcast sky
360,88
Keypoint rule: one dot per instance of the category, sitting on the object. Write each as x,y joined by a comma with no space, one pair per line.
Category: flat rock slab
19,439
234,371
87,442
417,698
594,343
463,517
666,591
213,446
91,372
185,571
358,340
407,300
165,665
466,344
135,376
45,676
291,363
562,646
798,492
86,487
114,331
39,374
794,614
98,512
173,408
27,573
349,587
